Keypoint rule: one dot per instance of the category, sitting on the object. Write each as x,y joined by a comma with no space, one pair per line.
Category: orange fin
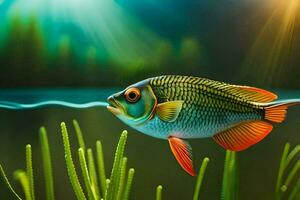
276,113
243,135
254,94
183,154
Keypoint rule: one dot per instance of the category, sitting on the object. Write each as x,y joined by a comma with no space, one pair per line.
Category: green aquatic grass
230,177
85,174
288,173
79,135
159,192
295,194
6,181
93,173
47,164
118,185
29,170
22,177
115,173
123,169
112,188
107,185
128,184
101,166
200,178
70,165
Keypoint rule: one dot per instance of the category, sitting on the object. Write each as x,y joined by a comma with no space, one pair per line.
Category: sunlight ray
112,29
271,50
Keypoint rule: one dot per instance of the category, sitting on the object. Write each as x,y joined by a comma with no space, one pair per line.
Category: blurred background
83,50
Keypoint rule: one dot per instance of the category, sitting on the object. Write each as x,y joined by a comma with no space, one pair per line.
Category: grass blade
200,178
114,178
225,176
5,179
292,154
29,170
128,184
93,174
291,175
122,178
21,176
101,166
281,171
229,185
79,135
234,175
107,188
295,194
158,192
46,156
70,164
85,174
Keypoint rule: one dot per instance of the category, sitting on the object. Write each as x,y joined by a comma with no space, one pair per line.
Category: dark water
152,158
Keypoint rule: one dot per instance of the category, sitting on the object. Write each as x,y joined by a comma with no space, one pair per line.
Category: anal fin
183,154
243,135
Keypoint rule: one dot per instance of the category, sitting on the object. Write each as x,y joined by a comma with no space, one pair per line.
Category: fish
177,108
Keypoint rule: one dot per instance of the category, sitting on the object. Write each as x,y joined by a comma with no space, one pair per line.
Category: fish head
133,105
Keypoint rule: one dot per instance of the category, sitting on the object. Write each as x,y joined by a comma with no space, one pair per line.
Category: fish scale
208,107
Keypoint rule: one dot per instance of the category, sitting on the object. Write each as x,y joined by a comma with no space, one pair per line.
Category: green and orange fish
183,107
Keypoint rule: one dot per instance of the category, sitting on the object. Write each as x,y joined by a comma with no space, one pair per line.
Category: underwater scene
140,100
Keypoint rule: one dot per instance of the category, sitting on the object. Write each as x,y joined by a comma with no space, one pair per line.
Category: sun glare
270,52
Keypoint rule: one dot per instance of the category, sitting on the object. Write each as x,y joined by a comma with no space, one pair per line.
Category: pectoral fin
169,111
243,135
183,154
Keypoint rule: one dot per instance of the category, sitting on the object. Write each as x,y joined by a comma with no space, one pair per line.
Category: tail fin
276,111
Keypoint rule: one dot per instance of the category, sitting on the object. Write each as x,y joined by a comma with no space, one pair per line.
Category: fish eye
132,95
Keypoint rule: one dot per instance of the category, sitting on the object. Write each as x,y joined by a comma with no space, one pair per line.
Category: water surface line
19,106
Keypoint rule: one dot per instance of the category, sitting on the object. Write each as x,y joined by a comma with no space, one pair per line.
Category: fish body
182,107
207,108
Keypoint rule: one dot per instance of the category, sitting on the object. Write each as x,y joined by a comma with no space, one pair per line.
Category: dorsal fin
245,92
243,135
252,93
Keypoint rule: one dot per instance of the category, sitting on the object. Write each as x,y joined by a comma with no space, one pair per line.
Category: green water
152,158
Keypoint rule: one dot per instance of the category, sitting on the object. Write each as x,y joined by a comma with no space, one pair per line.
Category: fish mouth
114,106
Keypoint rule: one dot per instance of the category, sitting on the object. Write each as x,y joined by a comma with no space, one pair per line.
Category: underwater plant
229,185
284,185
96,185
